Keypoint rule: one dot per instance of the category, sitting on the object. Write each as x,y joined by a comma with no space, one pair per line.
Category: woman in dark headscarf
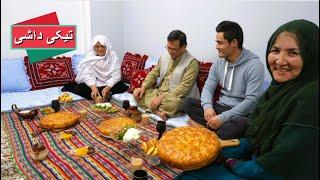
282,140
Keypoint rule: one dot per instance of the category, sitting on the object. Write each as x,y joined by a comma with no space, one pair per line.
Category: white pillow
152,60
14,76
75,61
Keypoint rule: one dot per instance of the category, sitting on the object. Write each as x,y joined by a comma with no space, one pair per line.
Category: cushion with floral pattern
137,78
50,72
131,62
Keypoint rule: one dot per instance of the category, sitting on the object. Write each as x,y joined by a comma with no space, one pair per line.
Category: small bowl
66,104
40,156
153,160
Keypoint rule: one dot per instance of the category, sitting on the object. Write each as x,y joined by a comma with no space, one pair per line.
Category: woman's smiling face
284,58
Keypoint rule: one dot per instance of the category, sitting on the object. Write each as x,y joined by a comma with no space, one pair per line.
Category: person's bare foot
162,115
195,124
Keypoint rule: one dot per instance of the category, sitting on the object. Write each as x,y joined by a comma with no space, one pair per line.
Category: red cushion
204,69
50,72
137,78
131,62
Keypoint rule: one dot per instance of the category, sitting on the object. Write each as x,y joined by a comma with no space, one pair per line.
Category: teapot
24,114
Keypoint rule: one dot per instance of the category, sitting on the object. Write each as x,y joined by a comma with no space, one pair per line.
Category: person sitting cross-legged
178,71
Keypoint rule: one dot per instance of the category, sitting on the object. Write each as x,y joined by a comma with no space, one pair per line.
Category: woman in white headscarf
98,73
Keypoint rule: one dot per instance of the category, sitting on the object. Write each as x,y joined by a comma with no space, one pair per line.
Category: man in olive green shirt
178,71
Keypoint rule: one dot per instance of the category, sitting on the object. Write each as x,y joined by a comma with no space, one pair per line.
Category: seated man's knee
187,103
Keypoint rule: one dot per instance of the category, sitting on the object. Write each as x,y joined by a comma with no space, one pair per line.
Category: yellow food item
48,110
150,147
59,120
64,135
188,147
65,97
81,151
154,152
112,127
153,142
151,150
144,147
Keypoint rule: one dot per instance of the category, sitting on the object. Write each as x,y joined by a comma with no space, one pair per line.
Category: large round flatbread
188,147
111,127
59,120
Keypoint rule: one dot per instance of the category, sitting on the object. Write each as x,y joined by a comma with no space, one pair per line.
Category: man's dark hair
231,30
178,35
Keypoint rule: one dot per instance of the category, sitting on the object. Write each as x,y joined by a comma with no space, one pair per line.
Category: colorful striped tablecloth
109,162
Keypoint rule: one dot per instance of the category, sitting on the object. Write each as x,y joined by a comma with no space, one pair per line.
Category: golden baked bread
188,147
111,127
59,120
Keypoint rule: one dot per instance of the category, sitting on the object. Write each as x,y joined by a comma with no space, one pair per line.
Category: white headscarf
86,66
103,40
91,57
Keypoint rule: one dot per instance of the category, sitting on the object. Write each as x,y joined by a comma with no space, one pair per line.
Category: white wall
147,23
69,12
107,19
142,25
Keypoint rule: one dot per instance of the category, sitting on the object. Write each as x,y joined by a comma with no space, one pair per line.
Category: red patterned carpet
109,161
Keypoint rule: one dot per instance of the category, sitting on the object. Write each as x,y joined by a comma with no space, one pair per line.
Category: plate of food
127,134
83,151
59,120
128,137
119,128
47,110
66,134
151,151
104,107
65,98
190,148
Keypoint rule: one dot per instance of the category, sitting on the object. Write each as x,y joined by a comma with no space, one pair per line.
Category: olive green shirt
181,90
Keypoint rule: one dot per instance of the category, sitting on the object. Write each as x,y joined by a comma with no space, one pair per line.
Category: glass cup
126,104
55,104
145,118
153,160
136,163
161,128
140,175
83,114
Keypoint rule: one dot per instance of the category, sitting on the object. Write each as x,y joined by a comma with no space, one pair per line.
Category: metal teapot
25,114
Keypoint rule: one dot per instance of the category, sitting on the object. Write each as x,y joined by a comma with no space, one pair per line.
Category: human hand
138,92
105,92
215,122
248,169
230,163
94,92
209,113
156,102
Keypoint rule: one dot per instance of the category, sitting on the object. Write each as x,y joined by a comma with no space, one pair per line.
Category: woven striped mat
109,162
